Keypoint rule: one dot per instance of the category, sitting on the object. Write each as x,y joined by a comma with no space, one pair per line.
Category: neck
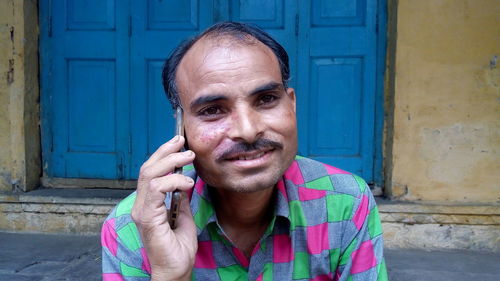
243,210
244,216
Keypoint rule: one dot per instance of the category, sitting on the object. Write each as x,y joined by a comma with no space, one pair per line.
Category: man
252,209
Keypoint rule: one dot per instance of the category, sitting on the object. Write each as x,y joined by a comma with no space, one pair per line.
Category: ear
291,94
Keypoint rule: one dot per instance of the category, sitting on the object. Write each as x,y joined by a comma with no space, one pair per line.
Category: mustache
242,147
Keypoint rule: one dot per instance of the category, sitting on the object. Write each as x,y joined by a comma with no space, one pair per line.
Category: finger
158,188
166,165
185,222
173,145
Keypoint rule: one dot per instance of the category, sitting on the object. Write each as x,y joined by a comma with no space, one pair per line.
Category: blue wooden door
337,83
104,110
84,84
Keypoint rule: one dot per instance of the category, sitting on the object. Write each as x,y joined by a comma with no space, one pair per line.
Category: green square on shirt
268,272
130,271
231,273
301,266
297,217
125,206
334,259
374,226
339,207
361,183
323,183
205,211
129,236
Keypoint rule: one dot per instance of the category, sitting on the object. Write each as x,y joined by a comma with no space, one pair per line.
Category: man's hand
171,253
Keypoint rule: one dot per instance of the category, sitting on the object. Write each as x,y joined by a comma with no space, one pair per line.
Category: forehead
226,59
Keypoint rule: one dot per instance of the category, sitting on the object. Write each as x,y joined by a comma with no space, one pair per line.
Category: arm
363,255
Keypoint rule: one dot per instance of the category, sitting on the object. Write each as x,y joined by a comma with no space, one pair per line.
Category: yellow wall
19,108
446,131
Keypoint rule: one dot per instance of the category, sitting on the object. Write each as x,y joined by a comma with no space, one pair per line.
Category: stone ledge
439,236
388,206
67,196
406,225
433,213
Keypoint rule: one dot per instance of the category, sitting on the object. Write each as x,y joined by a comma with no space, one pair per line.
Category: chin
246,183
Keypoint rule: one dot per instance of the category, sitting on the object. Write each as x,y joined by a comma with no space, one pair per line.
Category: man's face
239,120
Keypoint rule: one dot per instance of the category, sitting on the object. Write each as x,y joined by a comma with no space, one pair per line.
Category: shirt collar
204,211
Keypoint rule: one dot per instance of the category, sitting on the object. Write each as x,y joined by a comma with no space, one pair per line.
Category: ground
50,257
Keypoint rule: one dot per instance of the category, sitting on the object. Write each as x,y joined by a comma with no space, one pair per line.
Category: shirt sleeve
123,256
362,255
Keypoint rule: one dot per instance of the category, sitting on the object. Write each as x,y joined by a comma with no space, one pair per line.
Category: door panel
84,97
337,59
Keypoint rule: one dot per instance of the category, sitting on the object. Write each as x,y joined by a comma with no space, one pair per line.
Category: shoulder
119,222
314,175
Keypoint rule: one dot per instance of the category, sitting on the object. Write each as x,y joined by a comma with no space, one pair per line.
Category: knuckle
154,184
143,169
135,215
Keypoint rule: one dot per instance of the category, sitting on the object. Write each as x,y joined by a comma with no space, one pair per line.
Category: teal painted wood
84,88
378,178
337,79
103,107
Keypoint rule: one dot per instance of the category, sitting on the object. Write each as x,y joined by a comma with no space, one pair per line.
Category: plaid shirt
325,227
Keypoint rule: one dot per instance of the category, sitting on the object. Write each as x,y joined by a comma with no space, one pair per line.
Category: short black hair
241,32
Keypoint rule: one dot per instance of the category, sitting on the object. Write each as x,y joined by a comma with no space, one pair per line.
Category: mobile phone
176,196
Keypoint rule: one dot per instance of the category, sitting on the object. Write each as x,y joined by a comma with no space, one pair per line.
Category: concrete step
57,210
406,225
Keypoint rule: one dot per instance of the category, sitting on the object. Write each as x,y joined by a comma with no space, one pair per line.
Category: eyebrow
271,86
218,97
207,99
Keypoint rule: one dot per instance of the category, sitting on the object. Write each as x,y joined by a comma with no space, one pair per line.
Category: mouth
250,155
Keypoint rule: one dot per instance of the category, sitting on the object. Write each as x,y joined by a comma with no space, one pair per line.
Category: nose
246,125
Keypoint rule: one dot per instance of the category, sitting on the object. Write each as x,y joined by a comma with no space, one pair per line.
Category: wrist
167,277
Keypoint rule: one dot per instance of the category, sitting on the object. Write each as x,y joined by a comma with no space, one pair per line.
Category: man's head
239,114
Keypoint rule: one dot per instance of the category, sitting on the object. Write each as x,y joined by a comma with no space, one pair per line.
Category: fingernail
175,139
189,153
190,180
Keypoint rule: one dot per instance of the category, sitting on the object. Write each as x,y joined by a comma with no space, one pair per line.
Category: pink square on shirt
241,257
282,248
361,213
324,277
317,238
293,173
145,261
112,277
363,258
310,194
332,170
109,235
204,256
199,185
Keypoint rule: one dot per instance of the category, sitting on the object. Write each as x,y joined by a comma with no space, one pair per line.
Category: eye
210,111
267,99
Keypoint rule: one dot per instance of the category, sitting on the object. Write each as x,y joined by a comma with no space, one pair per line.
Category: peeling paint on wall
19,109
447,102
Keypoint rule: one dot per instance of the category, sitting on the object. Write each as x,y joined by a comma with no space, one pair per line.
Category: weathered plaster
19,107
446,123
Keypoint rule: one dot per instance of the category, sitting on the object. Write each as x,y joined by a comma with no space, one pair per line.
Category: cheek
207,134
283,121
